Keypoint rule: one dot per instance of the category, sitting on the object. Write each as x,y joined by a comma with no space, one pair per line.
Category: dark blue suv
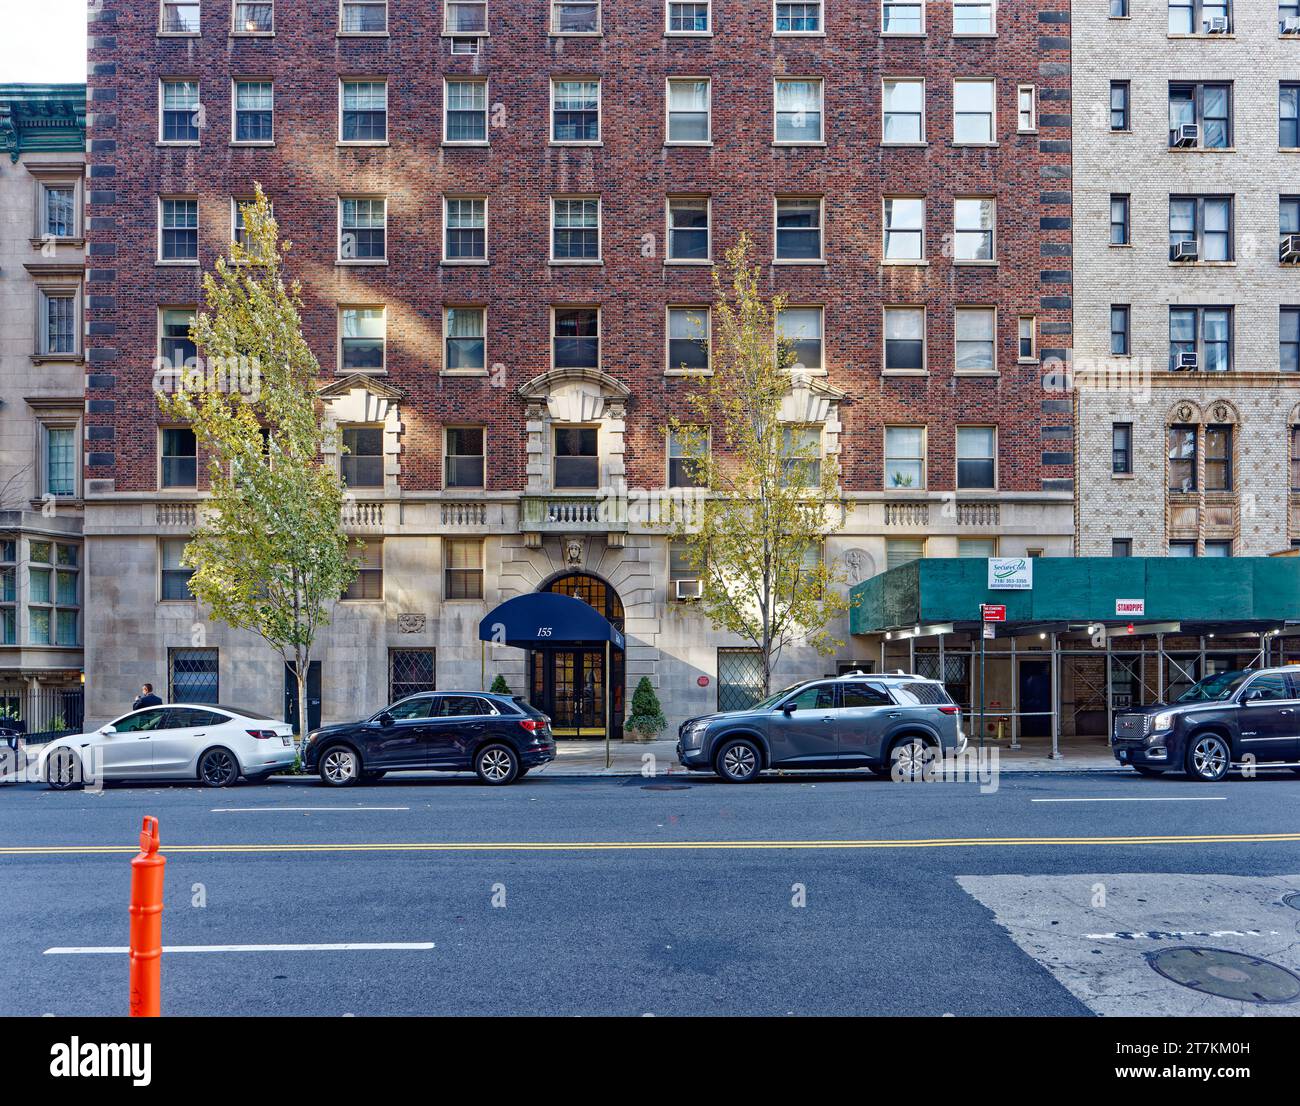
499,737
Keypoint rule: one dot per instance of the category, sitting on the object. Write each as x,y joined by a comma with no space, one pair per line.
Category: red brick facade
305,171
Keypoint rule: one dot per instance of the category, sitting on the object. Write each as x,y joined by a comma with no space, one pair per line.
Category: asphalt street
571,896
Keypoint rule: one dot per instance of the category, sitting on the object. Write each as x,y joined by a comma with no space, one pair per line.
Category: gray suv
895,725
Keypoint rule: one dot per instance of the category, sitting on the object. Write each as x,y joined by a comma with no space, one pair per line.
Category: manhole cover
666,787
1292,900
1227,974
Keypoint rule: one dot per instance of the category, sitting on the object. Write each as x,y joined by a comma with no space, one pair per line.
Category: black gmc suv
1226,720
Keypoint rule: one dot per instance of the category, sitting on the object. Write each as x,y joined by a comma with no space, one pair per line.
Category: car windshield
1214,688
772,700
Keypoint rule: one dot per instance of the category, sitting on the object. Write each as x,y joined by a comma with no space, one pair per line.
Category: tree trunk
301,667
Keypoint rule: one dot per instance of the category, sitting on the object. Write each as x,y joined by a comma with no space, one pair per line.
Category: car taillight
532,725
950,710
261,734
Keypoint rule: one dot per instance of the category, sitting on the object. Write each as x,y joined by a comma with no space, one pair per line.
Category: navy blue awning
547,618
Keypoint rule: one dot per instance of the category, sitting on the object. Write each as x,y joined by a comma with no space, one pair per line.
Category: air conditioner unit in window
1182,251
1189,361
465,46
1291,26
1216,25
690,589
1189,134
1289,253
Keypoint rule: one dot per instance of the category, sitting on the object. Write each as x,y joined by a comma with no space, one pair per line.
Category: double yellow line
655,846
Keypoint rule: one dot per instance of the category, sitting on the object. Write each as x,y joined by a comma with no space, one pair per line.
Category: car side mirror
109,731
1253,697
788,708
385,719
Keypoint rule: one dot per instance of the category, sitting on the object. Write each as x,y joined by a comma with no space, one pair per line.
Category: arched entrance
568,681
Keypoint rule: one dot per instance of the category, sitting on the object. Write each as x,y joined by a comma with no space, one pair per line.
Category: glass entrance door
569,686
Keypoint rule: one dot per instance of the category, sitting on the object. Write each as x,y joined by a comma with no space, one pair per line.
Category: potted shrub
500,687
646,720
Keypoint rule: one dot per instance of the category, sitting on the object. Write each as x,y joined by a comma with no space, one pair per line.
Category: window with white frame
363,228
180,113
799,17
59,210
899,551
363,111
974,224
464,338
575,228
179,466
178,230
904,339
58,337
688,339
904,111
977,457
175,346
688,17
368,584
363,17
179,19
463,457
801,456
972,105
576,458
254,107
59,460
1026,108
465,17
256,18
798,228
462,568
53,592
688,451
575,17
173,576
689,110
907,18
905,457
575,337
974,339
798,111
688,228
1200,17
361,464
800,329
904,228
1027,338
362,337
238,231
8,591
465,121
972,19
465,220
575,112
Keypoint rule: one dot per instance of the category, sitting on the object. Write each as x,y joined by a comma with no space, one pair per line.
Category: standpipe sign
1011,574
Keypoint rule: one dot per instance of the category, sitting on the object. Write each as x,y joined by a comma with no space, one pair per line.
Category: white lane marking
1151,799
292,809
1176,934
92,950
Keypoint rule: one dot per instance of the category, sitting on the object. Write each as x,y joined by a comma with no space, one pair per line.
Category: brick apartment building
504,218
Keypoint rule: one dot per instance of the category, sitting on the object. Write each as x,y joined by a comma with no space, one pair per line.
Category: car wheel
1145,770
738,761
63,770
340,766
496,764
910,759
373,775
218,768
1208,758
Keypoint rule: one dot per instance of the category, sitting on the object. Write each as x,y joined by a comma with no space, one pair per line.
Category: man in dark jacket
146,698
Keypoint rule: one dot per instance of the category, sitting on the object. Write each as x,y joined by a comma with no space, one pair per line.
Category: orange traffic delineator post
146,924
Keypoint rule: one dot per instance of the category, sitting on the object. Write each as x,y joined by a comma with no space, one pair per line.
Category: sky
43,41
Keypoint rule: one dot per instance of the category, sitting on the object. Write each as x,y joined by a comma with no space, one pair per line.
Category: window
740,678
798,112
798,228
686,454
1195,17
689,18
52,595
1120,97
974,220
465,120
1218,549
410,671
60,460
179,19
193,676
173,576
976,457
1121,547
1288,16
800,328
899,551
804,17
575,111
175,346
465,17
364,17
801,456
8,592
904,111
362,465
1288,223
1288,126
1121,448
977,547
1289,331
59,211
363,229
690,111
1182,459
178,230
1027,338
463,461
368,584
1119,229
1202,333
179,458
1182,549
254,111
1208,107
577,464
575,17
1120,329
905,457
972,19
688,339
363,107
257,18
58,323
904,228
974,336
1218,458
904,339
575,228
1204,222
362,333
465,220
1119,9
464,328
680,568
575,337
972,111
1026,108
902,18
688,228
181,112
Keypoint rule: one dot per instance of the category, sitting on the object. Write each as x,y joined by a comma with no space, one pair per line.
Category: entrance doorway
313,696
1035,698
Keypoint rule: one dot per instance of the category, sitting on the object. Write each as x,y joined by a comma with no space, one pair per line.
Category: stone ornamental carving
573,553
411,623
1185,412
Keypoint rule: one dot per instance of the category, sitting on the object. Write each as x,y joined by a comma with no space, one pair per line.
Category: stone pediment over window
575,395
362,400
811,399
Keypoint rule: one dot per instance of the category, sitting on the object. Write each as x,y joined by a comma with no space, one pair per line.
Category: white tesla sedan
211,744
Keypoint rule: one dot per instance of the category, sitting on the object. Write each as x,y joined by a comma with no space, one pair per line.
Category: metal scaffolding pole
1056,698
1110,689
1160,668
1015,698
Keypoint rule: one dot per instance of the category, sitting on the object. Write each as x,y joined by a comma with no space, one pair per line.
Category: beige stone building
1187,277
